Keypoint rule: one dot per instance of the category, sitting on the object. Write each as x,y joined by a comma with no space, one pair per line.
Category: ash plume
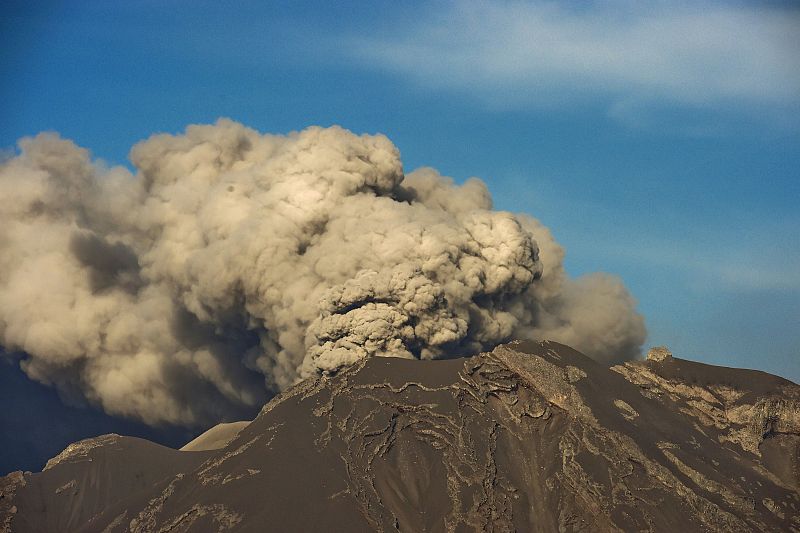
233,263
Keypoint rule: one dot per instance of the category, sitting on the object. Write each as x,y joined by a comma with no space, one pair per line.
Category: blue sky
659,141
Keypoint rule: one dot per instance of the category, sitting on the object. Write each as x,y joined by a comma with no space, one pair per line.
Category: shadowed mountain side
88,477
530,437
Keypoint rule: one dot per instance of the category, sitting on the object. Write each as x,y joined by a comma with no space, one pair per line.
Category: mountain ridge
533,436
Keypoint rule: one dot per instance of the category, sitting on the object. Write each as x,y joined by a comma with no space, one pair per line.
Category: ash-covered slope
529,437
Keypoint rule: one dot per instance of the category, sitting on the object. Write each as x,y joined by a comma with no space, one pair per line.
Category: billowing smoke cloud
233,264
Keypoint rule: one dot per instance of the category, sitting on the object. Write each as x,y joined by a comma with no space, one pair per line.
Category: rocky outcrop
756,413
8,489
529,437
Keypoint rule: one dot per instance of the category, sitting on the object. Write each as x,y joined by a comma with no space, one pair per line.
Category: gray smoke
233,264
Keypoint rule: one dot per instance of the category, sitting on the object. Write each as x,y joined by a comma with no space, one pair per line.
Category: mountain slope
215,438
529,437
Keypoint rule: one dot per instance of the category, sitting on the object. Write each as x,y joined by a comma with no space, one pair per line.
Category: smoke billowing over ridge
234,263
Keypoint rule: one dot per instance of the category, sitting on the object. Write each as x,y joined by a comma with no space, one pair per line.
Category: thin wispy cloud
733,249
748,265
623,54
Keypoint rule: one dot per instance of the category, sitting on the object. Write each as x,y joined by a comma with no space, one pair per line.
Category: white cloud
626,53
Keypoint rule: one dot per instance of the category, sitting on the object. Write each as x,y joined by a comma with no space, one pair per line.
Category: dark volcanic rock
529,437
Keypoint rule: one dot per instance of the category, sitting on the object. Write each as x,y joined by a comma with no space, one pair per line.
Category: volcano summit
532,436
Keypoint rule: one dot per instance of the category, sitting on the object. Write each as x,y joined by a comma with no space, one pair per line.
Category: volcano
532,436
